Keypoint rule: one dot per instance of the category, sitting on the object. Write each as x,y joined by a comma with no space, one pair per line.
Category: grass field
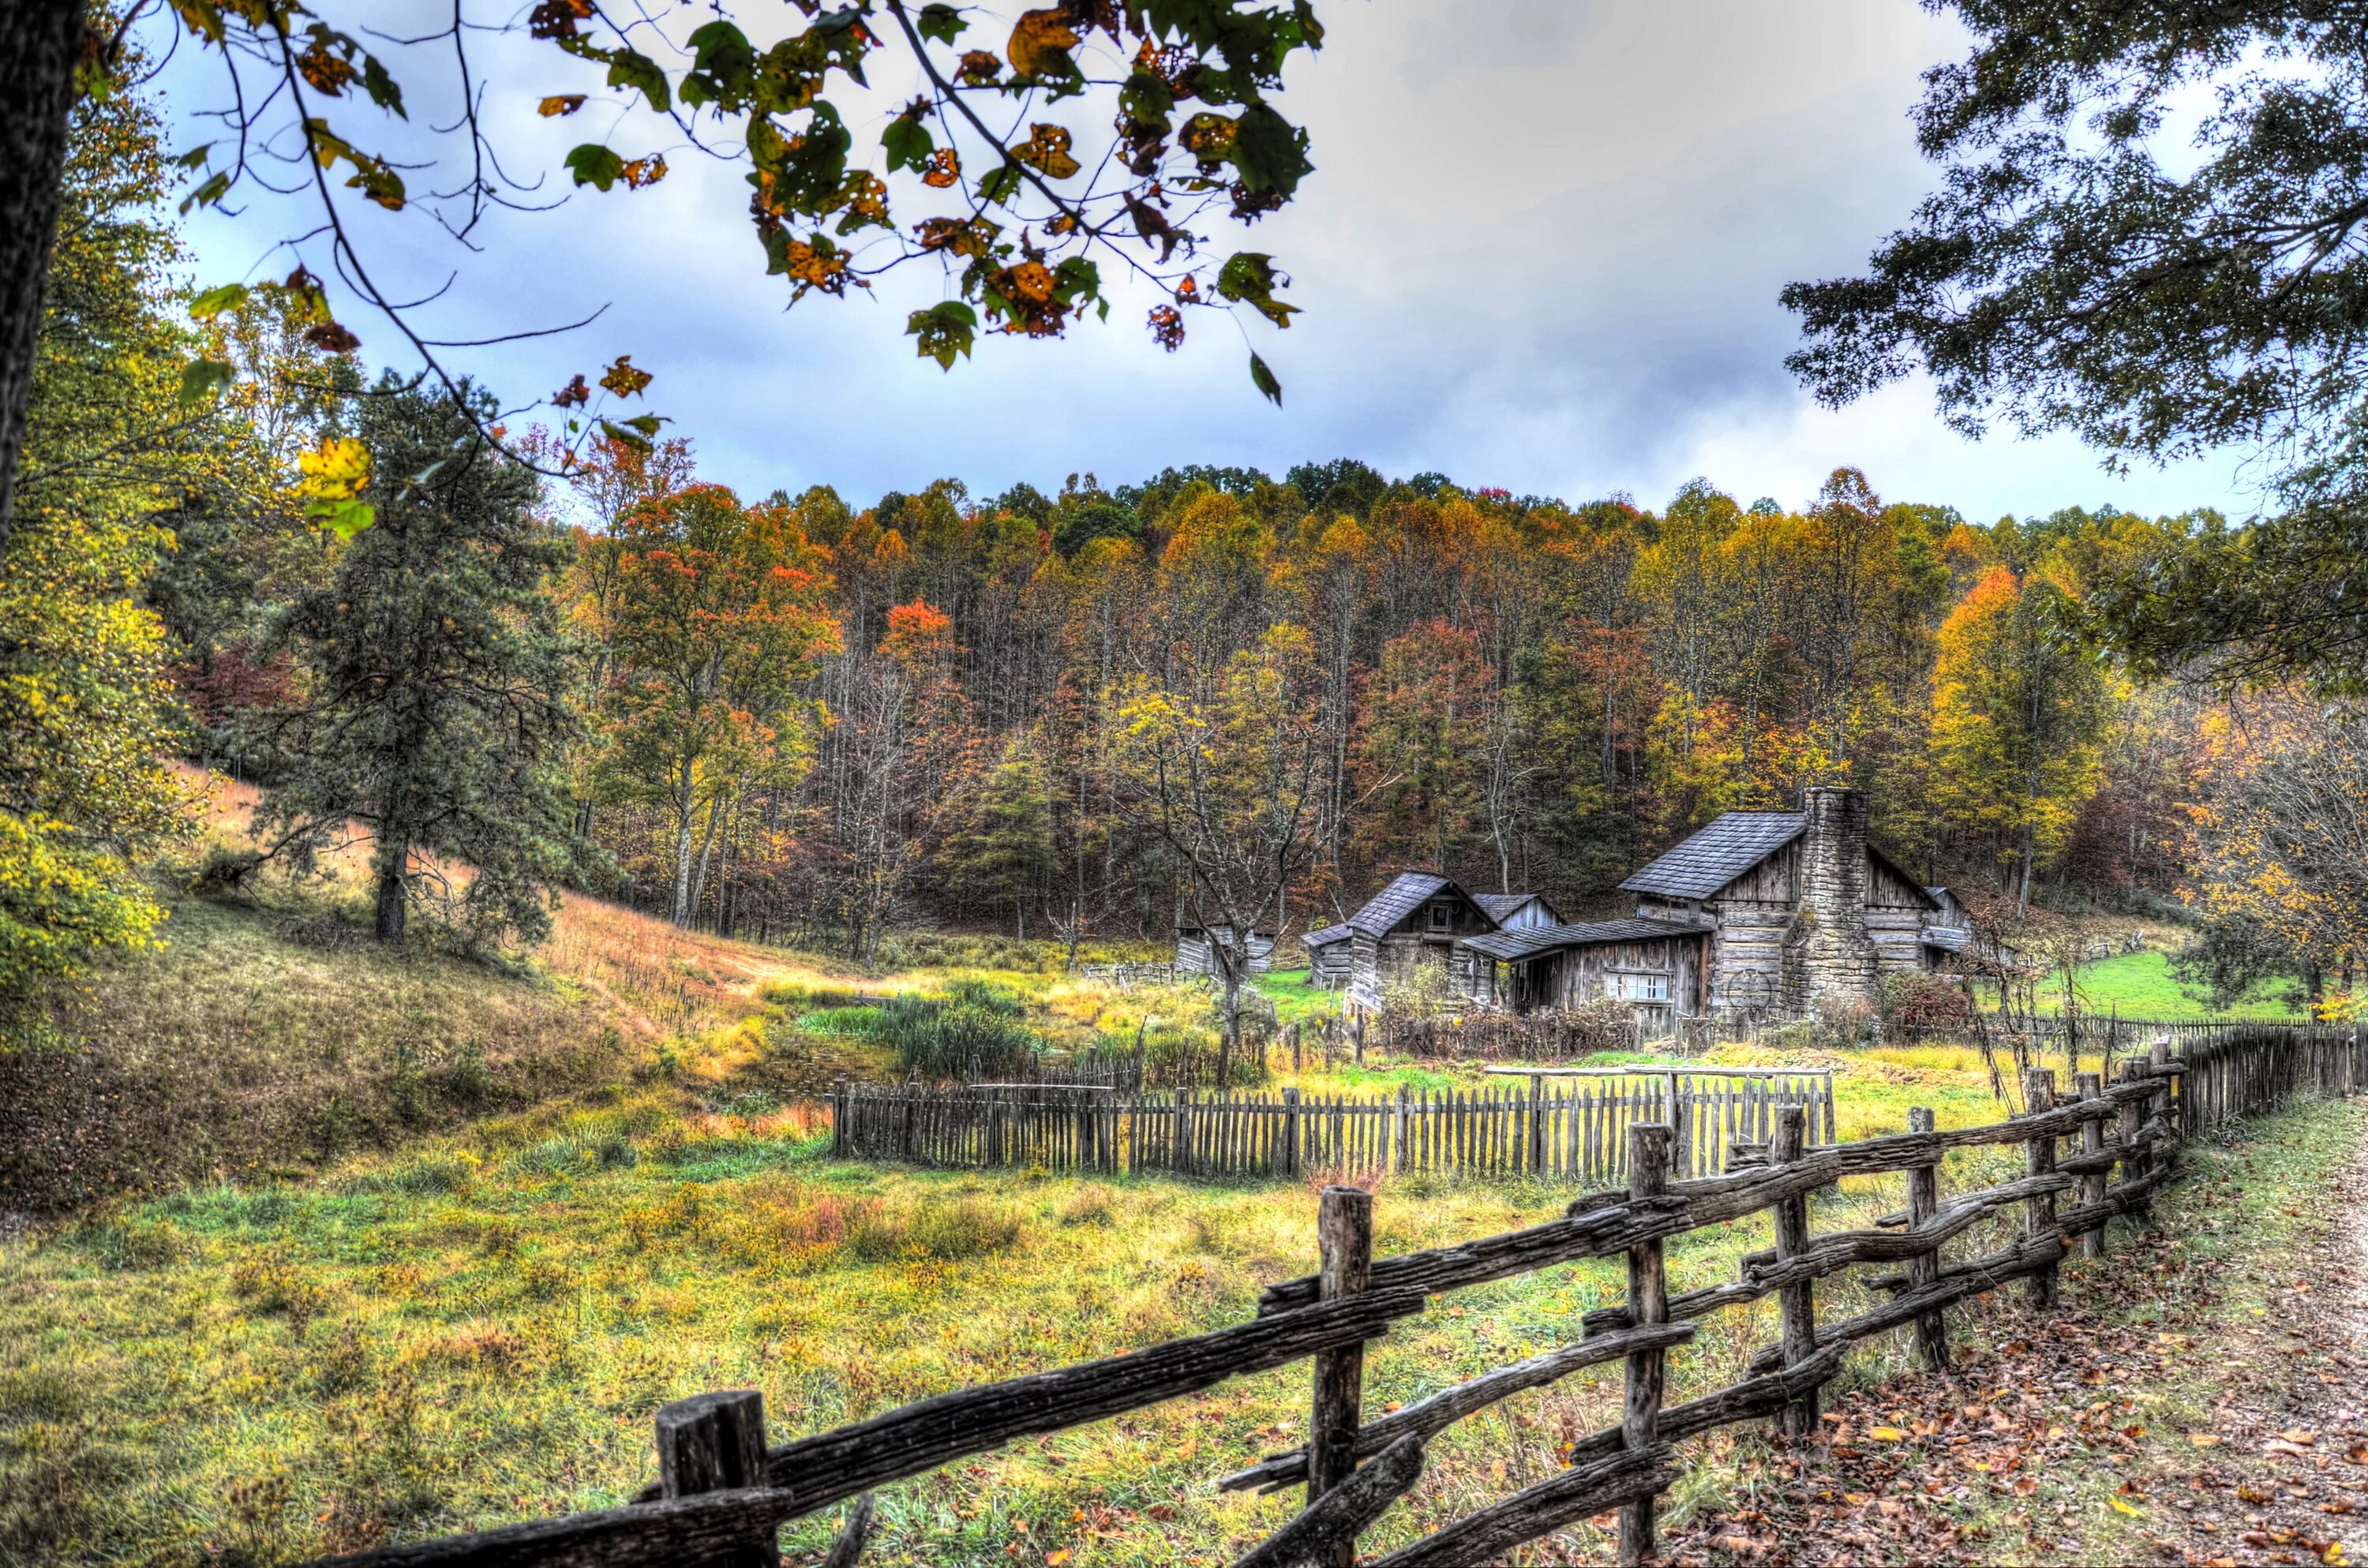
477,1329
2141,985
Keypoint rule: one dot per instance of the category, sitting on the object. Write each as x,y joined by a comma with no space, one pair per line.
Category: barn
1797,905
1655,966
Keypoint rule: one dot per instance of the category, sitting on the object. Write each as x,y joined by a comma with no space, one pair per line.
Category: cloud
1542,250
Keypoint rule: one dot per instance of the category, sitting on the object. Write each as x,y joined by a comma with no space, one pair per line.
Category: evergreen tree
1006,851
433,672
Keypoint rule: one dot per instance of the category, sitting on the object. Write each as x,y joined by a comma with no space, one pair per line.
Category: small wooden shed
1420,918
1196,949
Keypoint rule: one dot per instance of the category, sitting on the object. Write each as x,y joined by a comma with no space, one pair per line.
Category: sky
1541,251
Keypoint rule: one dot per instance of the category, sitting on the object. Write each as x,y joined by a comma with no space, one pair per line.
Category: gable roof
1404,895
1501,905
1709,858
1511,946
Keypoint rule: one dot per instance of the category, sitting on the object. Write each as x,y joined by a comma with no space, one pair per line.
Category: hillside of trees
1080,711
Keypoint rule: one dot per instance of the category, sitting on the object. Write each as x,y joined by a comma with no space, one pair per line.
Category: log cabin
1797,905
1421,917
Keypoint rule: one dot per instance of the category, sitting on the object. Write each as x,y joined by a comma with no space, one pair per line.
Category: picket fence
725,1488
1578,1132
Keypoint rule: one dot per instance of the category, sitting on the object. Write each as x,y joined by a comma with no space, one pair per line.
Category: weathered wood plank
1317,1535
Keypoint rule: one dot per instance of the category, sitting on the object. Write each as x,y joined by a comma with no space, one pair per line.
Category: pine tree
433,709
1005,852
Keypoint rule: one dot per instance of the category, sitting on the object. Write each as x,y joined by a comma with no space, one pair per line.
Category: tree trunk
39,43
683,811
392,903
706,852
2022,884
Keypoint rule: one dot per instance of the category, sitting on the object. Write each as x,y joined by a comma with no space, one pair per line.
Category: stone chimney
1829,950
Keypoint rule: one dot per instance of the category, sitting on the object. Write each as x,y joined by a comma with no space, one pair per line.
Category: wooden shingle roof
1501,905
1394,902
1323,936
1511,946
1715,856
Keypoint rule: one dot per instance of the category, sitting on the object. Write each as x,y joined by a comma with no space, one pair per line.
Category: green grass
478,1330
2141,985
1295,1001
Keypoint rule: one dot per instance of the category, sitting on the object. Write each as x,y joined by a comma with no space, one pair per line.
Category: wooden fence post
1361,1039
1924,1269
838,1118
1296,1061
1796,1304
2039,1211
2092,1179
2158,1104
1537,1140
1344,1238
1649,1302
1289,1161
715,1442
1402,1130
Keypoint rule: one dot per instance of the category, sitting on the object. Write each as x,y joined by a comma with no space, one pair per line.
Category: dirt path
2154,1418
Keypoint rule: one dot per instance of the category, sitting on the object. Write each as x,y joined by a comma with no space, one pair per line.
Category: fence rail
722,1493
1578,1133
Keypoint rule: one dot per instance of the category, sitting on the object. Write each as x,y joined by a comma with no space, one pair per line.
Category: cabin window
1638,986
1439,916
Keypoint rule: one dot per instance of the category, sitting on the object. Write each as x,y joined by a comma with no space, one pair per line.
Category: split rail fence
724,1492
1579,1133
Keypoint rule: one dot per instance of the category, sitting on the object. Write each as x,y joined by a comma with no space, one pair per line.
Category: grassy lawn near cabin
477,1329
2141,985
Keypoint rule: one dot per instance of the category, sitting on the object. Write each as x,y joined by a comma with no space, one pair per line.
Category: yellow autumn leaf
1886,1434
335,470
1057,1558
2121,1506
1040,41
2203,1439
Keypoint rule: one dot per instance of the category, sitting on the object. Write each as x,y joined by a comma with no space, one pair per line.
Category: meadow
463,1307
477,1327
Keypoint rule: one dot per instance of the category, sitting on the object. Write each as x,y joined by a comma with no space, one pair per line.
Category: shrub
965,1035
1923,1002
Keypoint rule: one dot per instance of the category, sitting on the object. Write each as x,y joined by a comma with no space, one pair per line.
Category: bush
1923,1002
959,1037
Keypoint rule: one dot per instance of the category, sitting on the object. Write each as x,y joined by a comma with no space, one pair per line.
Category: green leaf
724,67
909,144
943,331
1263,378
648,424
625,434
201,378
1077,278
215,187
1250,278
1270,152
195,158
594,164
940,22
1000,183
630,68
214,302
383,88
343,518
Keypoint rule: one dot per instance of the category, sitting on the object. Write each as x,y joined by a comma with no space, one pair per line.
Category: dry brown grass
268,1033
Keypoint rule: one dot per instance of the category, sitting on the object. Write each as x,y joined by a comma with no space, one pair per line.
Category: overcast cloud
1541,251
